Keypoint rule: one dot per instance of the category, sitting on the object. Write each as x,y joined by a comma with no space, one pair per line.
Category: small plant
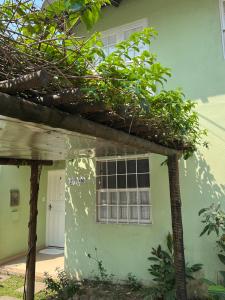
103,277
63,288
133,283
163,271
213,218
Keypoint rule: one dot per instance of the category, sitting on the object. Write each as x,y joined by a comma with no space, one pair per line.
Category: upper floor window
222,12
123,191
115,35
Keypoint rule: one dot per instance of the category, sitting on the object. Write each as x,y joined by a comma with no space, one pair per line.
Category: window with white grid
222,12
123,187
115,35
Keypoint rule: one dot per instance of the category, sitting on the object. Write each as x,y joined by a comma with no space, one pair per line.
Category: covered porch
35,135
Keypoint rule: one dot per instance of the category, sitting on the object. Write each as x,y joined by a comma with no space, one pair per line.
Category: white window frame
119,221
222,19
119,30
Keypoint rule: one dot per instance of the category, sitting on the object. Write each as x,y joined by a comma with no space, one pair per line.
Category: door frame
48,202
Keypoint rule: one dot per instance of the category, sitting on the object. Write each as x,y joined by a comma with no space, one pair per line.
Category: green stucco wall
190,43
14,220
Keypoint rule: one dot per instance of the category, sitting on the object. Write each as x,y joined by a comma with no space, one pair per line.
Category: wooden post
32,237
175,199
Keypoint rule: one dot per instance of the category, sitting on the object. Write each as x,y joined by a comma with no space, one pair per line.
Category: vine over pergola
45,61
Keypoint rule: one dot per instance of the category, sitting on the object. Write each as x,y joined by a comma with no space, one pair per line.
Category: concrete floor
44,263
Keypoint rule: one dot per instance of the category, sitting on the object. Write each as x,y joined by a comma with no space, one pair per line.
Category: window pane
142,166
143,180
103,198
133,213
101,182
123,198
133,198
102,212
112,182
98,168
145,213
121,167
144,197
131,166
113,212
111,167
121,181
113,198
123,213
131,181
103,170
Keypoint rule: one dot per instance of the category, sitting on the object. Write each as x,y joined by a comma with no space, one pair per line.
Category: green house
120,204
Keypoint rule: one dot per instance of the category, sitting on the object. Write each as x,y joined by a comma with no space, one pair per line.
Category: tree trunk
175,199
32,238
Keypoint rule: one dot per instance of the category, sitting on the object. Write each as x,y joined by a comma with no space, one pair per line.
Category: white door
56,208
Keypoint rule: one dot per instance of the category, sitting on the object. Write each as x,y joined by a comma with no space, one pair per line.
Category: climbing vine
132,88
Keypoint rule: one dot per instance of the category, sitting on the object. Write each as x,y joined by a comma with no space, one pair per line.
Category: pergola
35,135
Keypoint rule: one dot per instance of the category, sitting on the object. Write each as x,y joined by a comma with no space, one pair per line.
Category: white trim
127,26
117,34
47,203
122,157
222,23
137,189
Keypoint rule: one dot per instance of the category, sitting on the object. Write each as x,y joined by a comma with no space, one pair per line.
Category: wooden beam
23,162
23,110
175,199
26,82
32,237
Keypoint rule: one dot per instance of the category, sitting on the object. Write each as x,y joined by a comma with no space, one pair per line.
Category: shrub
103,276
64,287
133,283
163,271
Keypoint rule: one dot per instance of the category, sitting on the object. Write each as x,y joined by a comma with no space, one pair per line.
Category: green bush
163,271
63,288
133,283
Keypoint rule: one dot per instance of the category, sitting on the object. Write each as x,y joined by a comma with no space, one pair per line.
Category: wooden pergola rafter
14,107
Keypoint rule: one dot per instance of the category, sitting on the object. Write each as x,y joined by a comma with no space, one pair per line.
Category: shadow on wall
80,212
199,189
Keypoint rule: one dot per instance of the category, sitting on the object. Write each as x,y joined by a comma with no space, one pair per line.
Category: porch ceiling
31,131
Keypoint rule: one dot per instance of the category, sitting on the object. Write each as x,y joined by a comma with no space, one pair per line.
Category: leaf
205,230
153,258
222,258
202,211
216,290
196,267
170,242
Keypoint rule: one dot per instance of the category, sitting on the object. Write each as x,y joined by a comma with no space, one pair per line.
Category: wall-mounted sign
77,180
14,197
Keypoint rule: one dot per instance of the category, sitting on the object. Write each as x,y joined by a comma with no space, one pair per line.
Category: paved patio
44,263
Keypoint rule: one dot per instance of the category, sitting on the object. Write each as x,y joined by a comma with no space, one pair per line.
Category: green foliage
132,85
63,288
216,291
133,283
163,271
103,276
213,218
